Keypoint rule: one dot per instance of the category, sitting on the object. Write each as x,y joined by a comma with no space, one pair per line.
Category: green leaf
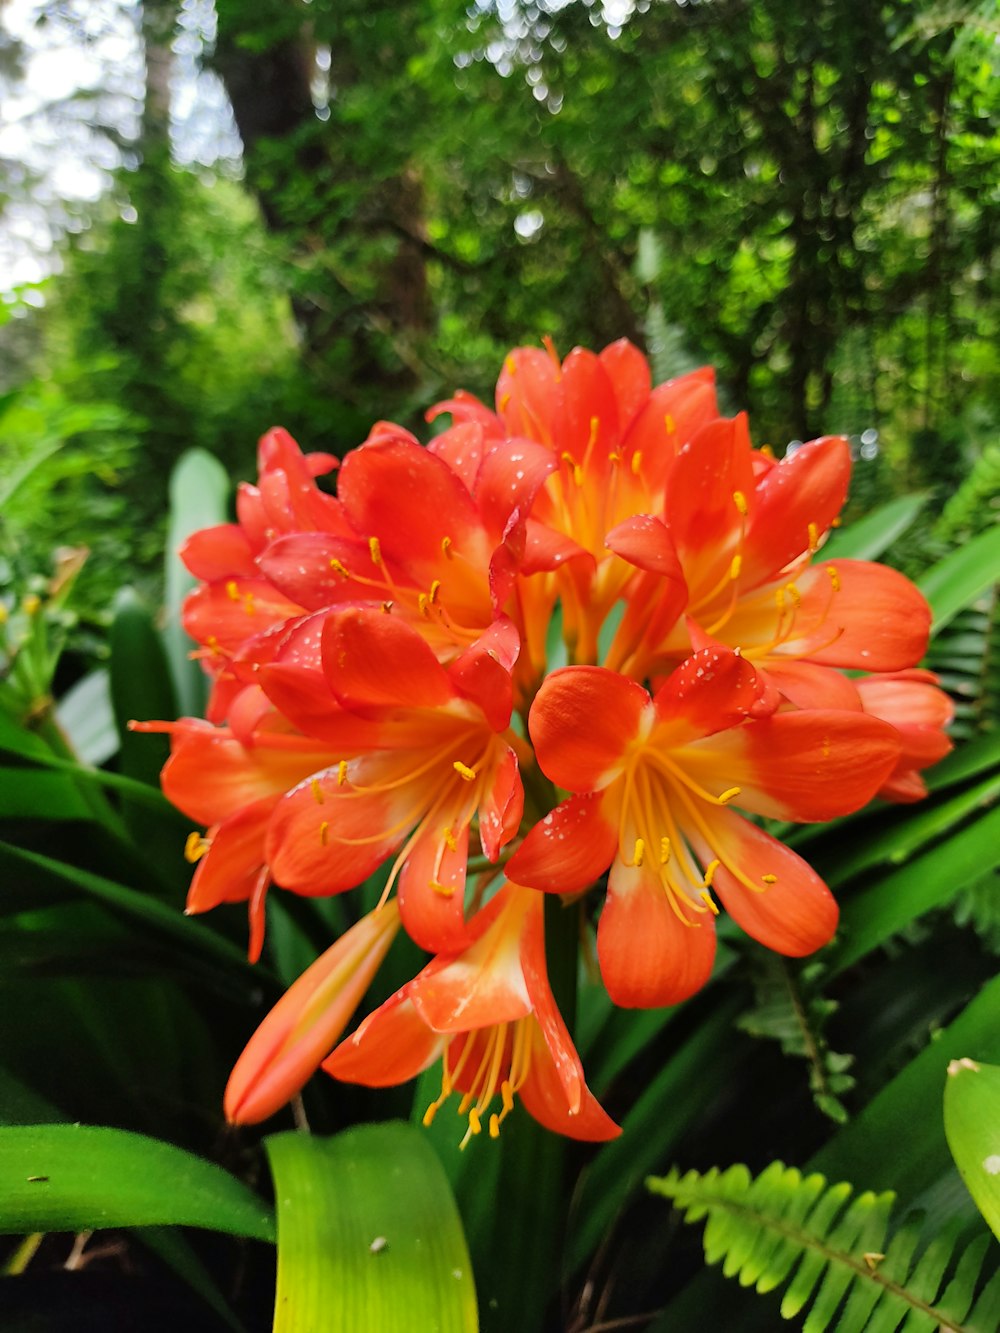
199,492
85,715
782,1228
31,793
972,1128
79,1177
875,533
962,576
368,1235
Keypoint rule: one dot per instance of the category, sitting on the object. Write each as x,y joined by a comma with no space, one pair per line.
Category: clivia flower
384,696
487,1013
653,780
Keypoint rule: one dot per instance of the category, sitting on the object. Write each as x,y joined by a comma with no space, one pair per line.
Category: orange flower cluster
571,637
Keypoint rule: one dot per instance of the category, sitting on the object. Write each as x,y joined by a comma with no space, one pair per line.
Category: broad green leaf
930,880
78,1177
896,1142
16,739
961,577
875,533
199,492
368,1235
85,715
32,793
972,1128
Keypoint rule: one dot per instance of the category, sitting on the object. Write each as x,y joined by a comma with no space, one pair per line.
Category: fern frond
790,1010
832,1249
978,906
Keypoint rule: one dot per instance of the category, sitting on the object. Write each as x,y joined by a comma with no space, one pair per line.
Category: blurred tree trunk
354,225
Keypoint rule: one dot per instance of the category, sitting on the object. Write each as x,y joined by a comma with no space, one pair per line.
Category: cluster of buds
562,646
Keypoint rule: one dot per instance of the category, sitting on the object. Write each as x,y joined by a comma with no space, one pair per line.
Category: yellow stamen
248,604
813,537
664,851
710,870
577,469
740,501
446,548
423,602
670,424
735,565
709,901
507,1096
449,839
836,522
511,365
834,577
375,550
504,401
769,879
728,795
443,890
195,847
614,457
432,596
767,451
794,594
341,772
639,853
316,790
463,771
595,426
428,1116
636,463
324,832
494,1126
233,590
339,567
475,1123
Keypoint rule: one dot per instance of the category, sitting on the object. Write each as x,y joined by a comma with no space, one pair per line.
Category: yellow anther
794,594
248,604
424,605
432,596
475,1123
464,771
577,470
769,879
614,457
636,463
595,426
316,790
710,870
813,537
767,451
735,565
494,1126
507,1095
446,548
504,401
443,890
233,590
195,847
834,577
779,597
375,550
341,772
709,901
339,567
449,840
664,851
428,1117
836,522
324,832
510,364
670,424
728,795
639,853
740,501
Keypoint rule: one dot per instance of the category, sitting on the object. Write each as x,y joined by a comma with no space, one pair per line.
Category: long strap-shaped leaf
972,1127
75,1177
831,1249
368,1235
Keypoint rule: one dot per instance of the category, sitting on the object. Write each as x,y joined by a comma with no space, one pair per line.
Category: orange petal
544,1096
648,956
434,917
373,660
808,765
581,721
795,914
302,1027
391,1046
568,849
713,689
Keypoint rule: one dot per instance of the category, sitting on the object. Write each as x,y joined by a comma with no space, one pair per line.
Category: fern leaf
790,1010
832,1249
